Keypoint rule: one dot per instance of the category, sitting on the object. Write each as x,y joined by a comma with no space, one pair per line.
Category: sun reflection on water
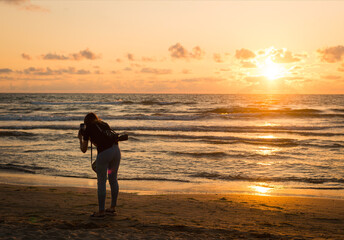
265,163
266,150
267,124
267,137
261,190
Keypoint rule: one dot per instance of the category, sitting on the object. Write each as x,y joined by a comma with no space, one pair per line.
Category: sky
211,47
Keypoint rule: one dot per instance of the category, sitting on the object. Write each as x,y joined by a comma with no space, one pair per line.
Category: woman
108,160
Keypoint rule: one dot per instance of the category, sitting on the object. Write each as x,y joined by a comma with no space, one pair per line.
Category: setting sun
272,70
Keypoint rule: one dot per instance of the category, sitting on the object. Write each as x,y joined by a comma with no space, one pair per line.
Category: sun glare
272,70
267,137
261,190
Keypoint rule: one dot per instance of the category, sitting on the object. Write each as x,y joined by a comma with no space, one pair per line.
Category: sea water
270,141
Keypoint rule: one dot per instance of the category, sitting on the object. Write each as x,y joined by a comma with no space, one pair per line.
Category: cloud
5,70
246,64
26,56
133,65
284,56
179,52
217,58
48,71
53,56
16,2
244,54
205,79
156,71
82,72
148,59
197,53
130,57
332,54
332,77
255,80
25,5
84,54
341,69
186,71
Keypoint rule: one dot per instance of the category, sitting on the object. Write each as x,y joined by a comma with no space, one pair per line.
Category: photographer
107,162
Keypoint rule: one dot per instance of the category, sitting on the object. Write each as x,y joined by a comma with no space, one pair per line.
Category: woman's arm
83,143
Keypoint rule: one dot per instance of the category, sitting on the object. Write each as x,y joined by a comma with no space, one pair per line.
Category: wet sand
32,212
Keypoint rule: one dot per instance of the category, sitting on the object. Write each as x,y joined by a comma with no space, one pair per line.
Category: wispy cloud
186,71
255,79
332,54
148,59
26,56
341,68
15,2
48,71
127,69
332,77
203,79
217,58
244,54
5,70
284,56
247,64
84,54
156,71
25,5
54,56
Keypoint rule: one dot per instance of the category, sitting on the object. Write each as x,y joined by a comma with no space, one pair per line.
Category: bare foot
98,215
111,211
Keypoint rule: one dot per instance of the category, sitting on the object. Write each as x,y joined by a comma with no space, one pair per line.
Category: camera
123,137
82,129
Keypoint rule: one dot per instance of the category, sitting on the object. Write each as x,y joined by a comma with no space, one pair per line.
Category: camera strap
91,152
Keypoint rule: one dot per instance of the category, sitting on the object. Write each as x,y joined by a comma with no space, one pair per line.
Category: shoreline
156,187
37,212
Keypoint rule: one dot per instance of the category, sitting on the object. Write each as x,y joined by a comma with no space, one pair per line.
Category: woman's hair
91,118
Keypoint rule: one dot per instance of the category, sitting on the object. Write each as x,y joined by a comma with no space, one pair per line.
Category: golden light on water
267,124
261,190
264,163
267,137
266,150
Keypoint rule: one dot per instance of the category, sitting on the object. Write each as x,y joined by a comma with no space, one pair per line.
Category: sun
271,70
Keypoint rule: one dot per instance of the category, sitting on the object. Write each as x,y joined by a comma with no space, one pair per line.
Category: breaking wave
217,176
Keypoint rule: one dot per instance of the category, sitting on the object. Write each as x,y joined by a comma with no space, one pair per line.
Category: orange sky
172,46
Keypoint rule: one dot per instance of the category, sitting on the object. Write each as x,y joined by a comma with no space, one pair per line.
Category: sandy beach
33,212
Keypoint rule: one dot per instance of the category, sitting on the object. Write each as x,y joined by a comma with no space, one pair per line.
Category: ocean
271,141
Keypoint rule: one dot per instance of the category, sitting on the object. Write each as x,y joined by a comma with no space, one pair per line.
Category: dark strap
91,153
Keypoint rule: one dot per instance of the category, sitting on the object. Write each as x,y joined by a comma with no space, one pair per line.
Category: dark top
92,132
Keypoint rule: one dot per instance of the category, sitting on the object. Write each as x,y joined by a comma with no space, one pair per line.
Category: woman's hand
79,135
83,143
